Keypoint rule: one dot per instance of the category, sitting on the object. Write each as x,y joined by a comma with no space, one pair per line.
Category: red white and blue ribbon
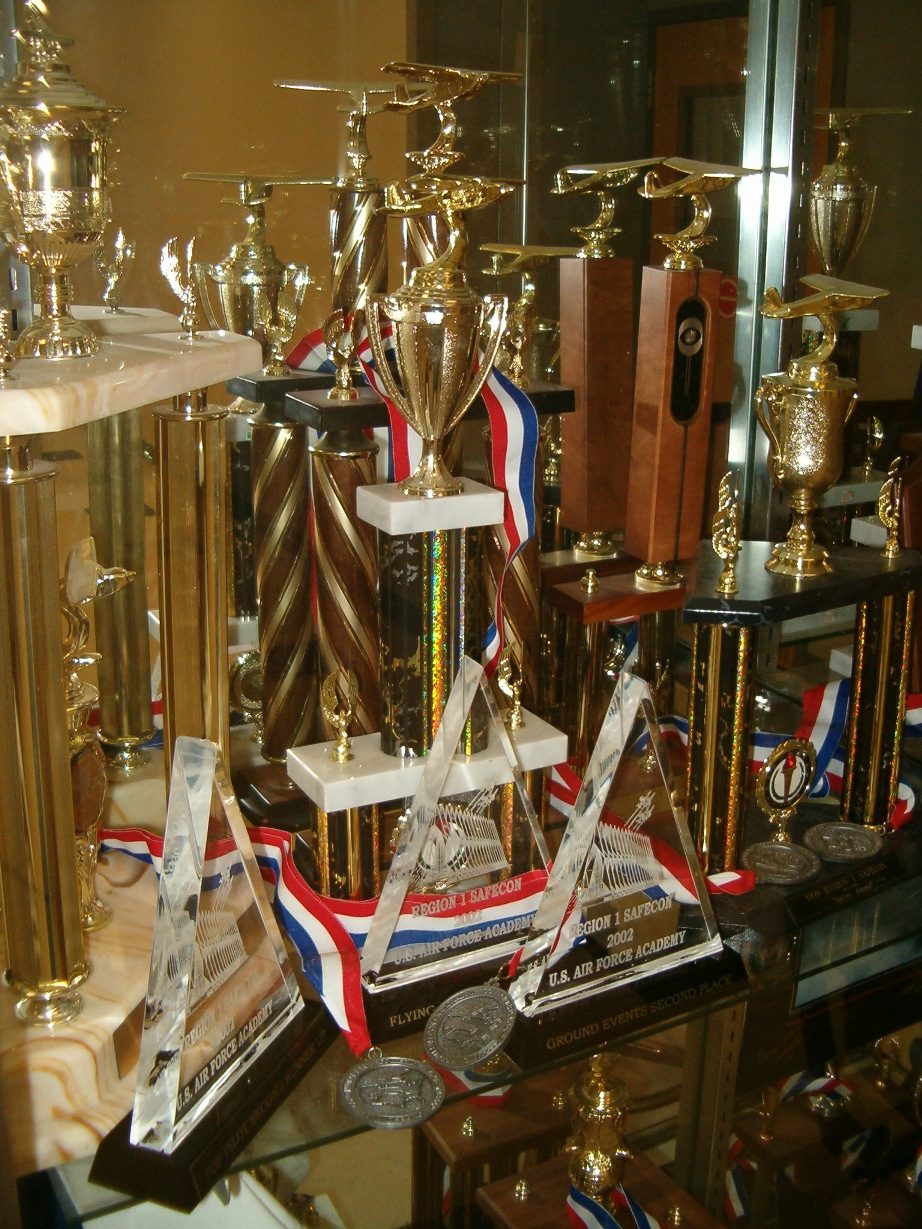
479,1088
815,1080
584,1212
736,1196
403,448
622,1198
917,1172
513,453
311,354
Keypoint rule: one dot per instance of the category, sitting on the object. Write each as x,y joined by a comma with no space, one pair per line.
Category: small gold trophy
803,411
784,781
339,694
696,181
602,179
440,326
518,352
888,507
54,136
114,269
841,201
596,1148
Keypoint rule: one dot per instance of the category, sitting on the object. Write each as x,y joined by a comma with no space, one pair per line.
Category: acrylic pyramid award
221,989
626,896
470,863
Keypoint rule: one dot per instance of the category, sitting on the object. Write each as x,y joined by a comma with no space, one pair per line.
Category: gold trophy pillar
880,671
191,526
38,873
122,637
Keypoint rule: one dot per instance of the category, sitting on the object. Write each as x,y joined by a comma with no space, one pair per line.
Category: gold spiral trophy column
190,446
341,460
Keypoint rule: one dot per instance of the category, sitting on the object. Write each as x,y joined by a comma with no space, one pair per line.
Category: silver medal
392,1092
780,862
843,842
470,1027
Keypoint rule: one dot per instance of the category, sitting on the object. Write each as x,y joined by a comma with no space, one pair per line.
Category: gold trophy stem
56,334
117,519
38,873
191,526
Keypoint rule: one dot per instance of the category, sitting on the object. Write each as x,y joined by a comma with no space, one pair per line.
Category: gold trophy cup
804,411
440,326
53,139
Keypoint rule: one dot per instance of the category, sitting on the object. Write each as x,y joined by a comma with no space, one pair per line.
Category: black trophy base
586,1023
396,1011
257,386
181,1179
268,796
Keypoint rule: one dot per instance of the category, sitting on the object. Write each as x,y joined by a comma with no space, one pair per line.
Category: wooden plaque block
672,413
597,362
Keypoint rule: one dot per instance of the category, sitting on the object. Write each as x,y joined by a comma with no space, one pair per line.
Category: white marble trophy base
49,395
386,507
373,776
125,321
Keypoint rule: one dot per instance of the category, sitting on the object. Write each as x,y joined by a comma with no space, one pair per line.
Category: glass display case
775,1081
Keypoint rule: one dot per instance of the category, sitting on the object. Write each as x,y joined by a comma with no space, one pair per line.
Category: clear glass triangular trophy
626,896
470,863
221,988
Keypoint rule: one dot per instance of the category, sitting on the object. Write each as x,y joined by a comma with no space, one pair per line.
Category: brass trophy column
191,459
116,482
880,671
38,872
720,708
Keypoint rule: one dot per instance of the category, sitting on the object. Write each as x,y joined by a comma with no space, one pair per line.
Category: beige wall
195,78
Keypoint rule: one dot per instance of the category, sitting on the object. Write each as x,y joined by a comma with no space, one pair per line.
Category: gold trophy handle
765,413
201,282
493,322
852,405
373,316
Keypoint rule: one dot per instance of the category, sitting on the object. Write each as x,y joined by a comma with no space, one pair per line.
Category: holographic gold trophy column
190,444
804,411
53,143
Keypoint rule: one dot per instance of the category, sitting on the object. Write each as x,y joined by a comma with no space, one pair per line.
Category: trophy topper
253,193
889,502
518,343
602,178
339,694
182,283
725,532
833,297
442,87
698,179
114,269
367,98
450,196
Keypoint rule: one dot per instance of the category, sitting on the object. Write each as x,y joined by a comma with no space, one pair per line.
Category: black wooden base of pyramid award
182,1178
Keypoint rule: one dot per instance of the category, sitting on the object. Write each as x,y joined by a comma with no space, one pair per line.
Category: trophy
251,268
784,781
804,412
439,87
53,143
696,181
841,201
439,326
113,269
518,356
602,179
725,533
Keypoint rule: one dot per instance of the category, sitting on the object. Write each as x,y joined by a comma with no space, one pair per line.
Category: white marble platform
129,371
854,490
126,321
386,507
374,776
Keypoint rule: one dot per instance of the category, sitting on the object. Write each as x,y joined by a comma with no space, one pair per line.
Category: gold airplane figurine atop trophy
367,98
602,178
517,350
253,194
450,196
833,297
442,86
698,179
